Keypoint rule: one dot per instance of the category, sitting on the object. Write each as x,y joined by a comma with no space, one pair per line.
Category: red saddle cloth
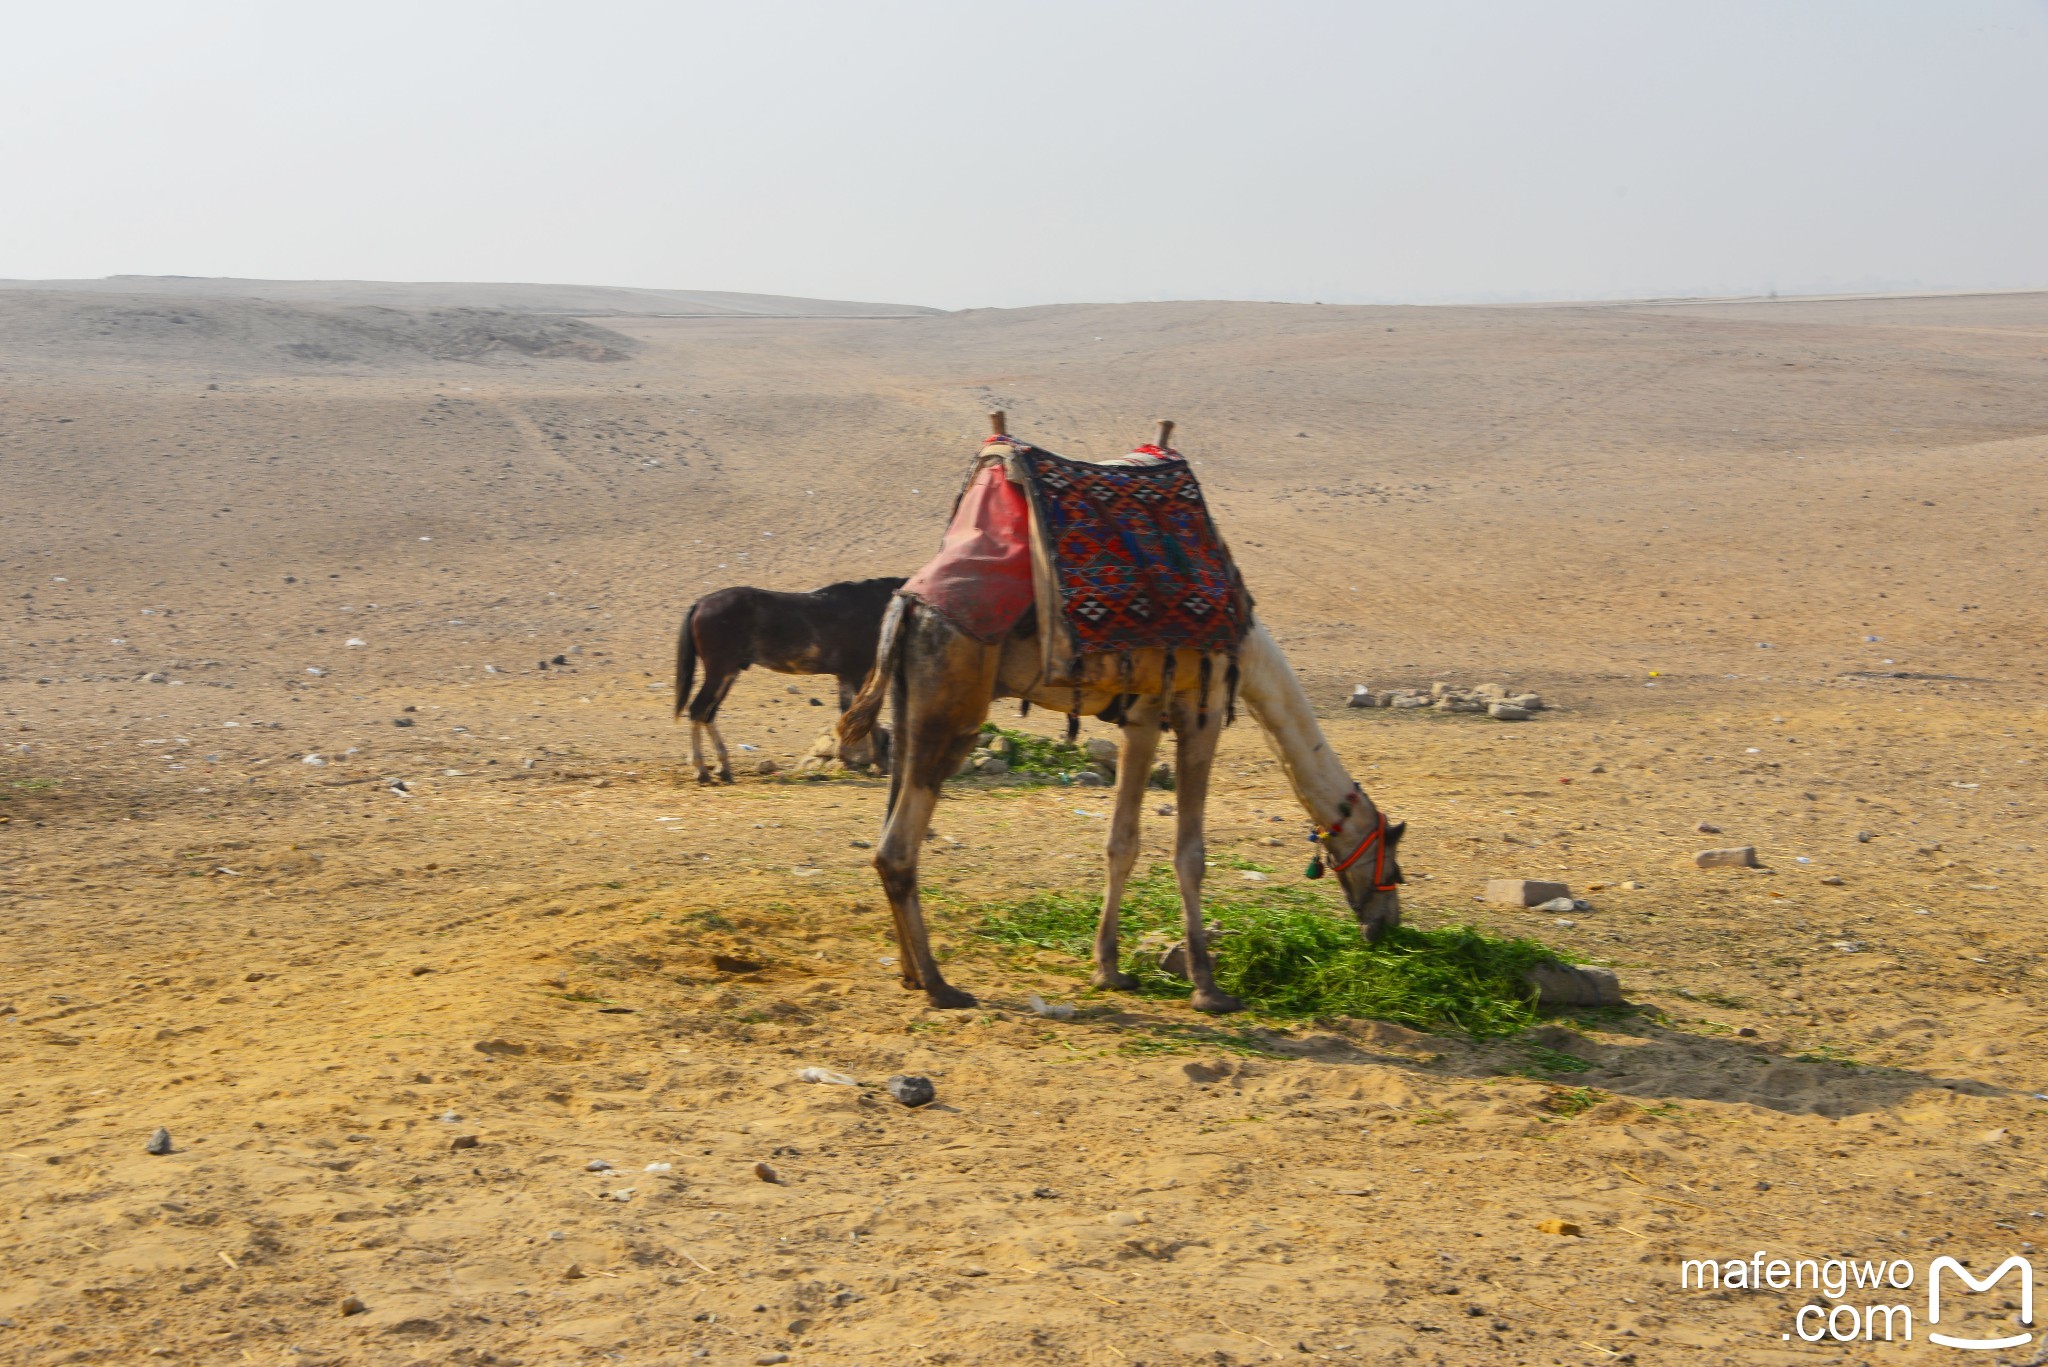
1132,560
980,580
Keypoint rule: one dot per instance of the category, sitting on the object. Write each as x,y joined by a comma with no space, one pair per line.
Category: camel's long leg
947,683
1134,768
1194,756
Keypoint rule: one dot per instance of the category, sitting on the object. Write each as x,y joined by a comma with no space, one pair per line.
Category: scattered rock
1739,857
861,844
1088,778
1404,700
1363,696
402,721
912,1090
1864,837
1556,1226
766,767
352,1305
573,1273
622,1195
1833,880
1524,892
1058,1011
766,1173
464,1141
1747,1032
1559,904
1507,711
159,1143
770,1359
1571,985
1100,751
501,1047
1707,828
597,1165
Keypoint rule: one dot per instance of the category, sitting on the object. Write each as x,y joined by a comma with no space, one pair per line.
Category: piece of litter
660,1167
750,747
356,641
315,671
1058,1011
313,760
1559,904
1252,876
623,1194
825,1075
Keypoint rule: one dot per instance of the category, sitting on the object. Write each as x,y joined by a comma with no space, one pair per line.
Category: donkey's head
1371,876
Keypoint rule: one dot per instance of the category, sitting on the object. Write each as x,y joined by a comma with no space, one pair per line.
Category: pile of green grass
1036,755
1295,951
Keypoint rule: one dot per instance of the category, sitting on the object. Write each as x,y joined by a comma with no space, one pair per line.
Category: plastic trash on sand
825,1075
1058,1011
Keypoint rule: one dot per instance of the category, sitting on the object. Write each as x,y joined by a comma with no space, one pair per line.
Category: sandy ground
1683,525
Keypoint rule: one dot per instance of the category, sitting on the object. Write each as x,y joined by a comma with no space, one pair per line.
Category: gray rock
1362,696
1532,701
159,1143
1088,778
1524,892
1740,857
992,765
1566,985
767,766
1408,700
1559,904
1101,751
1507,711
912,1090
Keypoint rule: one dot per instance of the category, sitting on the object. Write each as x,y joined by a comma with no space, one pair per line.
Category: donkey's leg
697,751
862,752
947,683
1194,756
1133,768
723,687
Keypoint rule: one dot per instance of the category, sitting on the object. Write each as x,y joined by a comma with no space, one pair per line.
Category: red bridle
1377,843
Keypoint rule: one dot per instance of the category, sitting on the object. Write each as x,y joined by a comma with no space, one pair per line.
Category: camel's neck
1277,702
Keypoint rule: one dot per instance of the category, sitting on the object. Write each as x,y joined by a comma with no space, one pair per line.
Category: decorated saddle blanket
1123,554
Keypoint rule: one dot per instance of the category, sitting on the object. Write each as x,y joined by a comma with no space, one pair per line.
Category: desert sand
1776,567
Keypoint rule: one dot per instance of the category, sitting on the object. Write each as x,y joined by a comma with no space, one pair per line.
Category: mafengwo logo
1864,1303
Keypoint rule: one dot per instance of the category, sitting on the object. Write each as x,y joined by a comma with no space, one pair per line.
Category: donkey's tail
859,717
686,659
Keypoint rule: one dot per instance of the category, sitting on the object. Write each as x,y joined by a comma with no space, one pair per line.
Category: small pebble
765,1173
463,1141
597,1165
770,1359
573,1273
1707,828
911,1090
160,1142
352,1305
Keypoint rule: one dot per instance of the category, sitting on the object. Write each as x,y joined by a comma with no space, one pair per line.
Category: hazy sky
979,153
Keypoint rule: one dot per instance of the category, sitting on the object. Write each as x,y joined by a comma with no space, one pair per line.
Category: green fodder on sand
1291,950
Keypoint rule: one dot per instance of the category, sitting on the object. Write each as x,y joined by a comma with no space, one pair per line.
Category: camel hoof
725,775
909,984
1214,1002
704,778
1115,982
946,998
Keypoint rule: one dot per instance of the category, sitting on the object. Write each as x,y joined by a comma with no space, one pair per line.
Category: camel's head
1371,883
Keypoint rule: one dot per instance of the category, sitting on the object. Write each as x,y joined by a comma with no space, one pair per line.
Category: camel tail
859,718
686,659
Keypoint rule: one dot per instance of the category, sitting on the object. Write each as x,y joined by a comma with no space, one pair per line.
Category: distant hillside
44,329
584,300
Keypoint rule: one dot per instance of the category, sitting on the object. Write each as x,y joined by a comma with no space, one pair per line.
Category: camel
944,682
831,630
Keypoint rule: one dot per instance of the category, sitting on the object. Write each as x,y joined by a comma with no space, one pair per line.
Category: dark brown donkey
831,630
